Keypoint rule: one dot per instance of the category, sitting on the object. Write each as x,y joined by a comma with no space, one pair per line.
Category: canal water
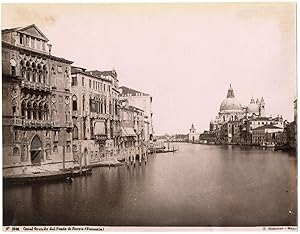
201,185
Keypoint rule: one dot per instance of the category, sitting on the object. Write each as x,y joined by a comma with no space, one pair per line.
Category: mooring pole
85,161
64,157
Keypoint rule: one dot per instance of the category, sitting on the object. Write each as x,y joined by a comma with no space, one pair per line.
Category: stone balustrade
35,86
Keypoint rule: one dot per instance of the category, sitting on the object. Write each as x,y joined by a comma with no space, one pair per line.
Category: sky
184,55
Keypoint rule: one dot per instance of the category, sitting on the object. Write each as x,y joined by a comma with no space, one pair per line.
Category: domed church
232,110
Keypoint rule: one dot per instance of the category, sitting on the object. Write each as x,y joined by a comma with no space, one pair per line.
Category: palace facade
36,99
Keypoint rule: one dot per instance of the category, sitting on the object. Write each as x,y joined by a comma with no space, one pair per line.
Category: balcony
56,124
36,123
16,121
27,122
85,113
69,124
35,86
43,87
101,138
46,124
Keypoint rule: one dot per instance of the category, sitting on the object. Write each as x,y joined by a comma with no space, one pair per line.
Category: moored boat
268,145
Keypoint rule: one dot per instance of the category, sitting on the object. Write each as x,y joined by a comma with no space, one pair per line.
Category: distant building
232,110
180,138
248,125
230,132
132,127
193,135
265,134
291,130
208,137
142,101
256,122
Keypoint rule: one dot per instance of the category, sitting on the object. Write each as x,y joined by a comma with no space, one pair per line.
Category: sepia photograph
149,116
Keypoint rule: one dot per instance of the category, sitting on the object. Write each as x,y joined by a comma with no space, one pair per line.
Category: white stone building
232,110
142,101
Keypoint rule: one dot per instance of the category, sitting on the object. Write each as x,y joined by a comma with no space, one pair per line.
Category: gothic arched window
75,133
29,110
23,107
28,74
40,111
16,151
74,103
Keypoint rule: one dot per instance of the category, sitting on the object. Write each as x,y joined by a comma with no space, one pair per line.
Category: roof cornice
24,50
90,75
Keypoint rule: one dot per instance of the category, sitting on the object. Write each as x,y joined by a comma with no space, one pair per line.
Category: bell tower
262,107
193,129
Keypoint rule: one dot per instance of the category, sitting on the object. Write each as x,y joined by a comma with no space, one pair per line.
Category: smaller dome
253,107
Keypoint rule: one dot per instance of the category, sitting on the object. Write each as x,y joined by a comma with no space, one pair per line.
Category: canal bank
42,173
200,185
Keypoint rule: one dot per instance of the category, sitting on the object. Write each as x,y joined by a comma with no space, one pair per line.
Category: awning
123,132
99,128
128,132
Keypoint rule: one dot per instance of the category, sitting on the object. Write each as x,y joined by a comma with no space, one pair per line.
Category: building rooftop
135,108
131,108
268,126
29,30
131,92
102,74
262,118
75,70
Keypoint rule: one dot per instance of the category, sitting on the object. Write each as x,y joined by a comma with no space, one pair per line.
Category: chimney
50,47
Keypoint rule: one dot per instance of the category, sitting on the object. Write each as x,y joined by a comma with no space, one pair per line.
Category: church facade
193,135
231,125
231,110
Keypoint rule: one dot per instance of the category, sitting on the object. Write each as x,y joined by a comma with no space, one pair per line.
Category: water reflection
201,185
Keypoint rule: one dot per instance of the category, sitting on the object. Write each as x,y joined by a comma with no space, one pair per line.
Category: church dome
230,103
253,107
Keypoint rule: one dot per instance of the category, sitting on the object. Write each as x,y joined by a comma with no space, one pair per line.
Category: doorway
36,150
